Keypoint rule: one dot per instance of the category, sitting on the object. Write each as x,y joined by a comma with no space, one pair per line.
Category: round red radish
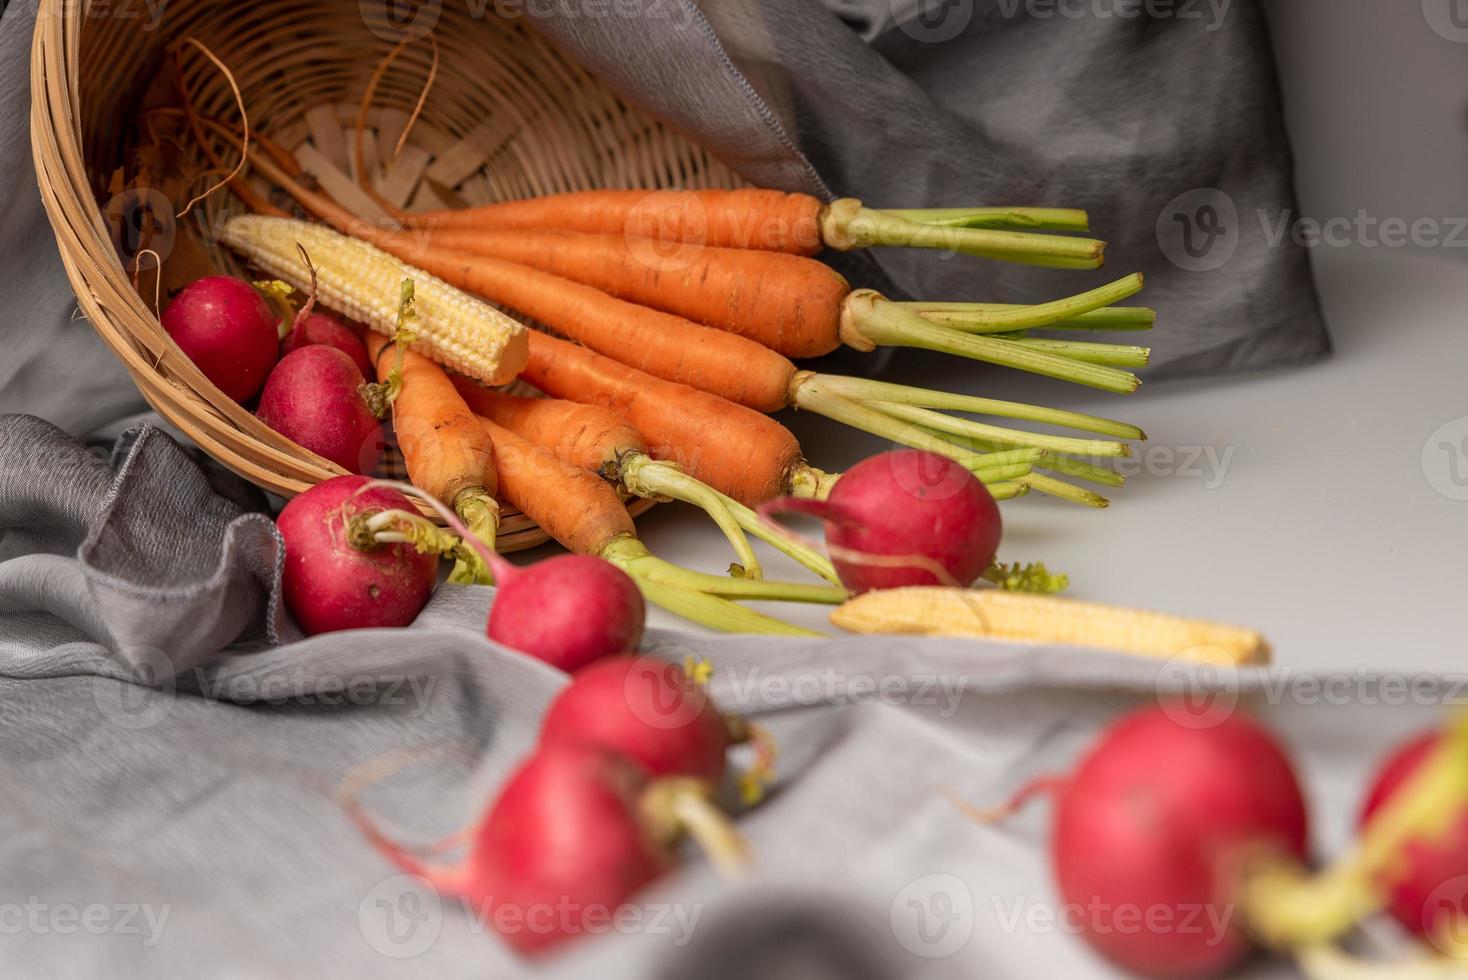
568,611
647,709
1153,831
312,398
1430,895
905,518
565,844
332,582
327,330
226,328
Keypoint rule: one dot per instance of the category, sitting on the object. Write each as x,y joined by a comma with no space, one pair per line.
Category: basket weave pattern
508,116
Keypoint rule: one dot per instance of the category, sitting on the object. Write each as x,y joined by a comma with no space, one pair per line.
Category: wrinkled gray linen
178,780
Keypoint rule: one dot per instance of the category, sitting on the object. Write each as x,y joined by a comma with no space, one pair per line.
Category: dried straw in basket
509,116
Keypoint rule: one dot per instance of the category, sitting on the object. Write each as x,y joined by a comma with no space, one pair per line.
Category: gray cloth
172,815
1167,129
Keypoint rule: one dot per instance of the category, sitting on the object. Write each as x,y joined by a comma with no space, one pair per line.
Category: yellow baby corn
362,282
1023,618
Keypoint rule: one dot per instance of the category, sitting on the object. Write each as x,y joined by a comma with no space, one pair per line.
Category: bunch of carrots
673,320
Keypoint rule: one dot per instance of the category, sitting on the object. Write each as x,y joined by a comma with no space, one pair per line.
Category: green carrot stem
789,545
645,477
1007,490
811,483
1064,465
715,613
481,514
1115,355
812,395
884,323
1037,315
1052,487
632,556
861,389
975,317
970,429
865,228
1019,219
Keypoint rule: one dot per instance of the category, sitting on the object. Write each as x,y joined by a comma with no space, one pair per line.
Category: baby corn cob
1024,618
355,278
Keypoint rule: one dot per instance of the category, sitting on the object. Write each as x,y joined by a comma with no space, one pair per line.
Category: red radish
905,518
575,834
1432,891
568,611
327,330
313,398
338,574
226,328
649,710
1154,830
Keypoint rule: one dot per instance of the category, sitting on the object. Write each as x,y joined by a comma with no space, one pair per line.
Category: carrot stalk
868,228
716,613
884,323
1019,219
981,317
1007,490
1052,487
1040,314
646,477
1005,437
886,425
862,389
1112,355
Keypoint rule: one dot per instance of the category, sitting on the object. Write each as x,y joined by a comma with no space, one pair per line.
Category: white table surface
1324,528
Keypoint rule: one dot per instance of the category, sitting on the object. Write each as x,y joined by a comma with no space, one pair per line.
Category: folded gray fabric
1166,127
174,816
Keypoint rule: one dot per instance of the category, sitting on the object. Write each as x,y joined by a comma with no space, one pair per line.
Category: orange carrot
447,452
585,514
749,218
735,368
587,436
797,224
573,505
601,441
739,452
791,304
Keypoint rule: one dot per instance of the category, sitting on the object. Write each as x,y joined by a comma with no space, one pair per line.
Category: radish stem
845,227
680,807
1288,907
1019,219
880,322
859,389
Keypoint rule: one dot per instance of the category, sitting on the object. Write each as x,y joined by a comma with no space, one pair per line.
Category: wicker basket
508,116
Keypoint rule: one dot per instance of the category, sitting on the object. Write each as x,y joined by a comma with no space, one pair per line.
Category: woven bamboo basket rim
508,116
